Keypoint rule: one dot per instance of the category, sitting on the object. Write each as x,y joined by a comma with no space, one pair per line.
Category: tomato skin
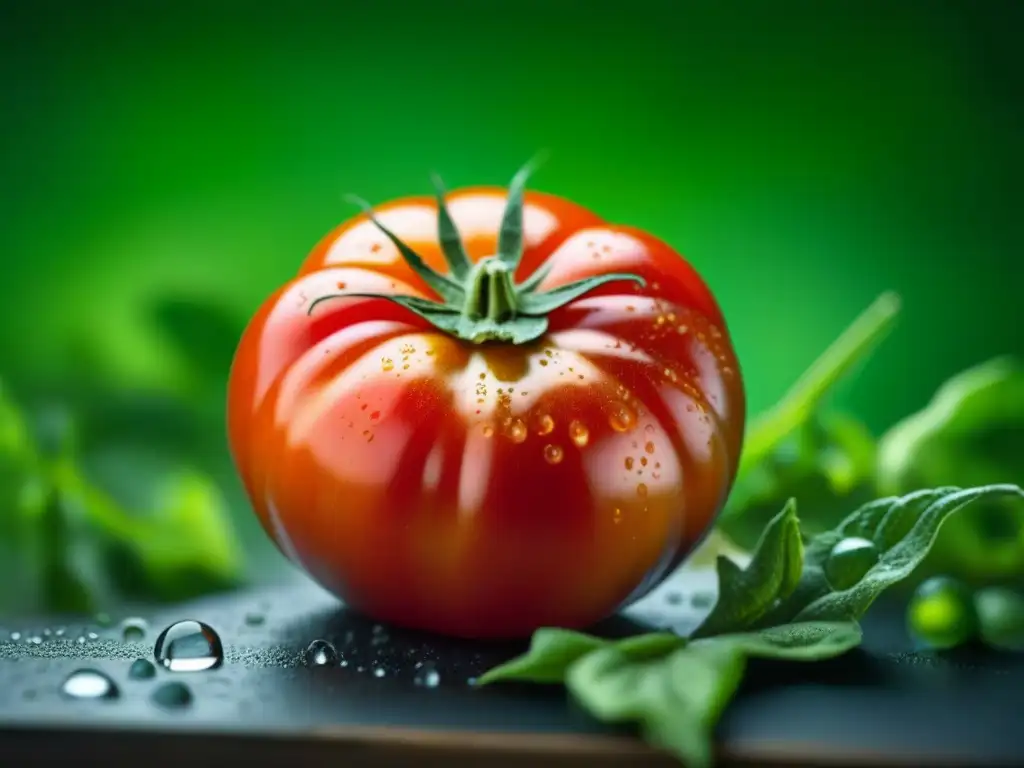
487,490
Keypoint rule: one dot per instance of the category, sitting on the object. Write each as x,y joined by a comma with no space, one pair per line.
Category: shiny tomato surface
487,489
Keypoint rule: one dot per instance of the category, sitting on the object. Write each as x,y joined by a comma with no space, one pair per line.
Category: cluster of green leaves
795,600
971,434
115,501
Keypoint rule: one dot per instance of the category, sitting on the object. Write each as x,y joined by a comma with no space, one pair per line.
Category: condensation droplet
133,629
321,653
172,695
649,447
545,425
427,675
629,462
617,516
641,489
189,646
622,419
579,433
517,431
553,454
387,364
488,430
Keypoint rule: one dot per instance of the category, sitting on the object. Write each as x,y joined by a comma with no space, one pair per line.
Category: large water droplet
189,646
173,695
89,684
427,675
141,669
553,454
579,433
321,653
848,561
133,630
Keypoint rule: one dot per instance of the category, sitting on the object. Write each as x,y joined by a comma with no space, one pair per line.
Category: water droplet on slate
15,636
172,695
321,653
379,672
427,675
89,684
133,630
141,669
189,646
254,619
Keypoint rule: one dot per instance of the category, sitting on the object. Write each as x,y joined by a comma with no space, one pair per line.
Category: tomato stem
482,302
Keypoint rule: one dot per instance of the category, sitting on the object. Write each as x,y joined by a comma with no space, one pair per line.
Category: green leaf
510,233
902,529
676,698
828,464
971,434
802,641
553,651
793,450
744,595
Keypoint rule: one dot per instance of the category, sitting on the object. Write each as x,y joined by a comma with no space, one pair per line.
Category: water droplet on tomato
517,431
629,462
617,516
375,415
641,489
649,447
643,461
189,646
320,653
543,362
387,364
553,454
89,684
342,286
488,430
579,433
545,425
681,329
622,419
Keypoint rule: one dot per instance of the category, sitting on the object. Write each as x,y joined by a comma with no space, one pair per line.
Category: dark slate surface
884,700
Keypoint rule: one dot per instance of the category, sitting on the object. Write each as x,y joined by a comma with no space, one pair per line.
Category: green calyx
482,302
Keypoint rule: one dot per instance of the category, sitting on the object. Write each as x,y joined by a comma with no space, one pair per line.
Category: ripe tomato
486,412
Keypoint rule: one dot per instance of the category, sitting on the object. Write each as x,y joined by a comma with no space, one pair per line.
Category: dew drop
255,619
553,454
579,433
379,672
617,516
387,364
141,669
649,447
134,629
674,598
321,653
189,646
172,695
545,425
543,362
641,489
488,430
622,419
89,684
629,462
849,560
427,675
375,415
517,431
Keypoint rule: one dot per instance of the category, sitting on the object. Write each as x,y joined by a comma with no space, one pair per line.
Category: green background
804,156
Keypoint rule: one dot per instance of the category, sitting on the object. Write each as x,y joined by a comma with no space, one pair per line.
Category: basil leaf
901,530
970,434
744,595
803,641
553,651
676,698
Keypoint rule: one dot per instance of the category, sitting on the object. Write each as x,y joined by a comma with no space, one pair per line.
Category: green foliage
797,449
780,607
971,433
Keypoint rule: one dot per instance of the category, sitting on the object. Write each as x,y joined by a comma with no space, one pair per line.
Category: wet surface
291,659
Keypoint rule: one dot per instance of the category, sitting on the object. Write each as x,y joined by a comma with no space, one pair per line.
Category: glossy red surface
487,490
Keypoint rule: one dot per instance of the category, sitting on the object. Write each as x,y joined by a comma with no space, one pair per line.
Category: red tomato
542,458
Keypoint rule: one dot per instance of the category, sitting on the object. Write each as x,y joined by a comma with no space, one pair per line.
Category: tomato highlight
487,411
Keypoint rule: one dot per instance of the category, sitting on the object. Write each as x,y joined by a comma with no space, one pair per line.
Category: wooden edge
384,747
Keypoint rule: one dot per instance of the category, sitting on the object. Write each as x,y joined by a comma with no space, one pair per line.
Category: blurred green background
163,166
